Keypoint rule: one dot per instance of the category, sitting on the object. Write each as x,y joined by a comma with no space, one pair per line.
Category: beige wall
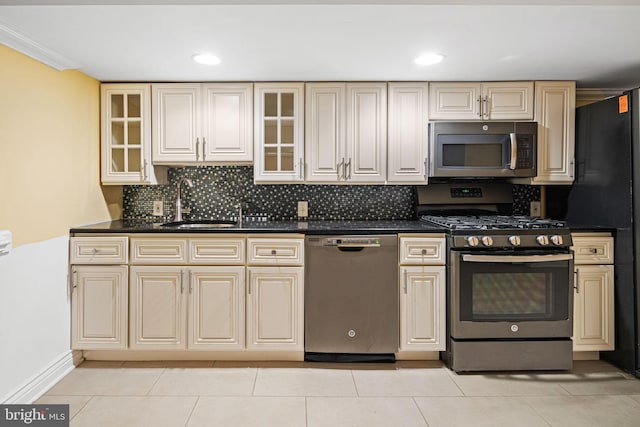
49,151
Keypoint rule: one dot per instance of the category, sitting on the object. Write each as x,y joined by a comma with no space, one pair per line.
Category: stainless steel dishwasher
351,298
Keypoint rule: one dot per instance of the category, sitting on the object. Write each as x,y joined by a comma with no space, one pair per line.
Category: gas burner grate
493,222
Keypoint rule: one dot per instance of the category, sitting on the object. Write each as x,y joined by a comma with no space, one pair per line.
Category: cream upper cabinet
407,133
555,114
366,155
481,100
125,111
279,132
346,132
202,123
325,132
593,323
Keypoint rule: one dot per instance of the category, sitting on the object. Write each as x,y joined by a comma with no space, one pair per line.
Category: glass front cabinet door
126,135
279,132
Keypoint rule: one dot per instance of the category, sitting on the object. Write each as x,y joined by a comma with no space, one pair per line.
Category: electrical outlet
303,209
534,208
158,208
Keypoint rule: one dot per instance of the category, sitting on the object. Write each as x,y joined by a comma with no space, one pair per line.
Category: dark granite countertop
309,227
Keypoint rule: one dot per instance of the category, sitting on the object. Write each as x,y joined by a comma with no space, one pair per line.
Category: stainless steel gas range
509,281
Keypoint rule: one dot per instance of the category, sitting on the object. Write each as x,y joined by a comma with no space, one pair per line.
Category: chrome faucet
178,216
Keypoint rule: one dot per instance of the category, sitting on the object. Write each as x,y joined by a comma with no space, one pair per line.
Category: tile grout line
81,409
155,382
192,411
355,385
413,399
306,411
535,411
255,382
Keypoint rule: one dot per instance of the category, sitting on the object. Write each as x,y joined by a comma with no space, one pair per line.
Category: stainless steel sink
204,223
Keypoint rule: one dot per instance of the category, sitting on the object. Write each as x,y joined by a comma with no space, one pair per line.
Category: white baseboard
46,379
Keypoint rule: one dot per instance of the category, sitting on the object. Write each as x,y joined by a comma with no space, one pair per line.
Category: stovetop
494,222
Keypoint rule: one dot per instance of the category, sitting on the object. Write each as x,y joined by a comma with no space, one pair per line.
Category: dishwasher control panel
353,241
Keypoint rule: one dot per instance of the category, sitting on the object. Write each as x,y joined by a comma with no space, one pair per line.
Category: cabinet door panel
325,131
366,132
227,124
407,154
216,311
175,123
555,114
275,308
158,308
593,326
454,101
99,307
422,308
508,100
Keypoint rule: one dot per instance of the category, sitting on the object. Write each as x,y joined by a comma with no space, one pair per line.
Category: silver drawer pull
273,252
593,250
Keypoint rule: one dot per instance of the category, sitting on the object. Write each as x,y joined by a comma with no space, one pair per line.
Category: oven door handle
517,258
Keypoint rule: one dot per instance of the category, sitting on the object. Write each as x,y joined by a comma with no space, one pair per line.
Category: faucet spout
178,216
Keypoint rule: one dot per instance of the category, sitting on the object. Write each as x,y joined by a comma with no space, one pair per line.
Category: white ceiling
594,42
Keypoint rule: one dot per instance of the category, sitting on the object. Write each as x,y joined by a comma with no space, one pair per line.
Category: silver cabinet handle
197,149
182,281
204,149
301,168
190,282
479,101
485,106
514,151
576,284
74,279
426,169
249,281
341,170
347,165
145,165
405,281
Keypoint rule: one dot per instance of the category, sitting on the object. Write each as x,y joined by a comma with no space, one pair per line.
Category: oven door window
473,151
514,291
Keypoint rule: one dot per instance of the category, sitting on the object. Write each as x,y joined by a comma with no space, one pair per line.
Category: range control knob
557,240
514,240
542,240
487,240
472,241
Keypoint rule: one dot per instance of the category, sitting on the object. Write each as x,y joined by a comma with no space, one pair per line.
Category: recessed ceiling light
206,59
428,59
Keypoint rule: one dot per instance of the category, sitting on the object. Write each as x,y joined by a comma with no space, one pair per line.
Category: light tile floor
189,394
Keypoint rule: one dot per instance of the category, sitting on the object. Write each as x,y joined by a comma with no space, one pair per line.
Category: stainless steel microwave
483,150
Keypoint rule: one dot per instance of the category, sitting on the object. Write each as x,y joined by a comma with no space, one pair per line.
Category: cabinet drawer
592,249
217,251
273,251
422,250
99,250
158,251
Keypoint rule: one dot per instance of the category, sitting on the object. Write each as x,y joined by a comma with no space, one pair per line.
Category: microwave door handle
514,151
517,258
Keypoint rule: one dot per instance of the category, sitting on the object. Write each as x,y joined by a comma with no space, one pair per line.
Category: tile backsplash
218,190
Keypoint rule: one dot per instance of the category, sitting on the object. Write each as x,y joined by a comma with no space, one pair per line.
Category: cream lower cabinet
593,323
275,293
422,293
187,307
99,292
99,307
197,303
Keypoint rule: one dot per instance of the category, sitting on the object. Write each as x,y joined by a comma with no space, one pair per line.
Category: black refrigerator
606,192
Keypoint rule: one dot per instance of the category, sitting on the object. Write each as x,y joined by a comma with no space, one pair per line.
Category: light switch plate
534,208
303,209
158,208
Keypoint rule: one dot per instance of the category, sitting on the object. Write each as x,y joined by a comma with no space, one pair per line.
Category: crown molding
25,45
586,96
